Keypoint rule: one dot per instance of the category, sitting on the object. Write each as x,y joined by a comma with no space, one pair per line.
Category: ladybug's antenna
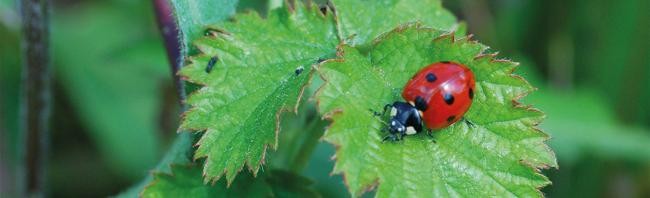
377,116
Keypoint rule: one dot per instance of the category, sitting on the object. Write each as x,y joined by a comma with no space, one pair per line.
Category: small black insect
299,70
323,9
211,64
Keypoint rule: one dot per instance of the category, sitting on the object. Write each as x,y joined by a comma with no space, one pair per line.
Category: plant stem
35,105
169,31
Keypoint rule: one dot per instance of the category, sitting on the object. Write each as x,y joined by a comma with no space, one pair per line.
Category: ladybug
436,96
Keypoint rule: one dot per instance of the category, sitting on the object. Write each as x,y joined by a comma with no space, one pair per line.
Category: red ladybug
438,95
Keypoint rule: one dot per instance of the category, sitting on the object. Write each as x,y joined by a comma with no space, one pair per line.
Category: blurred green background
115,109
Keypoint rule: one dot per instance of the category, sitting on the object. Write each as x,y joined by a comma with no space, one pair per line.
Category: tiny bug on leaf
299,70
211,64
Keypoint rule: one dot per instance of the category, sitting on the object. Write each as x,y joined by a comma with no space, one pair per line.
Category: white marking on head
392,123
393,112
410,130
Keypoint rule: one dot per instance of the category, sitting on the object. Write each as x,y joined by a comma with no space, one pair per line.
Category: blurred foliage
114,74
9,83
593,149
589,58
596,133
611,53
9,98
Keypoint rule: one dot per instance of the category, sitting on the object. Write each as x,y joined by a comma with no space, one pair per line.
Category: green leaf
185,181
499,156
194,15
253,81
367,19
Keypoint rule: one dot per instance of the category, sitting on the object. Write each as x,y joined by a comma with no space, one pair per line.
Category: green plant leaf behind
186,181
252,82
367,19
577,134
114,84
194,15
499,156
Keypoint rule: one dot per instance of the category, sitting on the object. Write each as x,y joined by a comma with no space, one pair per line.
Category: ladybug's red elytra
436,96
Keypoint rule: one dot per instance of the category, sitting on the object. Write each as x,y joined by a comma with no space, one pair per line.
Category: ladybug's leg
386,108
375,113
391,137
394,137
430,134
469,123
386,138
401,135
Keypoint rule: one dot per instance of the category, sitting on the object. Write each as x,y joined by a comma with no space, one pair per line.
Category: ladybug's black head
405,120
